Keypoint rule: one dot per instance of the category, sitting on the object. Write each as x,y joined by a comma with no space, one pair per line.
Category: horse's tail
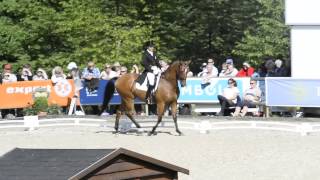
108,94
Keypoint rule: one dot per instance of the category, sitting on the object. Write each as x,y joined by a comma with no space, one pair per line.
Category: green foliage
41,105
50,33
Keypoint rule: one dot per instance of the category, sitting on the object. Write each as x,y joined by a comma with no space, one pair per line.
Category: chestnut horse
166,94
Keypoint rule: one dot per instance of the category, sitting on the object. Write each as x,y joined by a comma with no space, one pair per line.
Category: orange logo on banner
20,94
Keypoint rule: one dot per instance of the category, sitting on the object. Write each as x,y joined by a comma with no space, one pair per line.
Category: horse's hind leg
118,115
160,111
174,116
130,111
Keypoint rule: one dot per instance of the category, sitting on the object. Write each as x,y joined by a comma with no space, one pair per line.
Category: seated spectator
40,75
25,74
108,73
211,72
280,70
57,75
116,67
91,76
203,69
229,97
164,65
74,72
7,75
251,97
123,70
231,71
246,70
135,69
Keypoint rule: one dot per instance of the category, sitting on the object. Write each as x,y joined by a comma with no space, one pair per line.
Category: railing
203,126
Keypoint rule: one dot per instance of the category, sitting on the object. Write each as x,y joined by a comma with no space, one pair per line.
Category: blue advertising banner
292,92
195,92
96,97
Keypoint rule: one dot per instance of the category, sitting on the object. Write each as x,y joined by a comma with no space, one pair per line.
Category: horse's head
182,72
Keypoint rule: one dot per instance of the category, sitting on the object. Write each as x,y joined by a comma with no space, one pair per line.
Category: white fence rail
204,126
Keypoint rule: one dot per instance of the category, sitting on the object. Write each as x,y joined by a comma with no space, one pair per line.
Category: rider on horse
152,68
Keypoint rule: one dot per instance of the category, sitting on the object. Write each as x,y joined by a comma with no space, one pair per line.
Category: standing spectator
91,76
40,75
280,70
223,69
269,65
203,69
57,75
246,70
229,97
231,71
25,74
251,97
108,73
212,72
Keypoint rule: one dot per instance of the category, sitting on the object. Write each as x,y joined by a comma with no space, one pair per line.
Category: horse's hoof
152,133
115,132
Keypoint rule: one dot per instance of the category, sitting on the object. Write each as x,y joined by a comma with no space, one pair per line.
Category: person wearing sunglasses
229,97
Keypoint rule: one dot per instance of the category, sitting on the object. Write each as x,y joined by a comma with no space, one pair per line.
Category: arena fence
125,126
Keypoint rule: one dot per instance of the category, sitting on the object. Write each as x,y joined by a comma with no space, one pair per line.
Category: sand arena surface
222,154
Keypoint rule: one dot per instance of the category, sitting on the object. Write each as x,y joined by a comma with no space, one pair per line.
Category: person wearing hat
116,68
246,70
152,68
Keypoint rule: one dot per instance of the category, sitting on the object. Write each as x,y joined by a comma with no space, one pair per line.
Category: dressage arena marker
202,126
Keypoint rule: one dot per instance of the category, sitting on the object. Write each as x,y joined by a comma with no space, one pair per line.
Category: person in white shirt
212,72
231,71
57,75
229,97
108,73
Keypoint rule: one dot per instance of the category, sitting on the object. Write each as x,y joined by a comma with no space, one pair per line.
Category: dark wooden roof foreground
121,151
42,164
64,164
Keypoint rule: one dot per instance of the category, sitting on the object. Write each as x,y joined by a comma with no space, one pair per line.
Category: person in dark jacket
152,67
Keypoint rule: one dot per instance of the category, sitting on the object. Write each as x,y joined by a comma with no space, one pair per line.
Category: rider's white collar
150,52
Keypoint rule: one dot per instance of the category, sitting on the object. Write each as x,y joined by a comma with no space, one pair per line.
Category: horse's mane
172,65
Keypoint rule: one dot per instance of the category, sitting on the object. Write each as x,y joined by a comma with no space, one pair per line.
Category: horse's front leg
160,111
118,115
174,116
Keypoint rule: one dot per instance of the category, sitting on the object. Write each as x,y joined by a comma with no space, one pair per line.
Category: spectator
91,76
164,65
189,73
269,65
223,69
280,70
7,75
108,73
203,69
123,70
229,97
246,70
25,74
231,71
251,97
211,73
40,75
135,69
74,72
116,68
57,75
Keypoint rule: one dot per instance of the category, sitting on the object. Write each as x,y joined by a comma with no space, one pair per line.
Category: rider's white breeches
151,78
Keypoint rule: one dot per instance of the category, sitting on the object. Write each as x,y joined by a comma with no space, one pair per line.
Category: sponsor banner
96,97
195,92
20,94
292,92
